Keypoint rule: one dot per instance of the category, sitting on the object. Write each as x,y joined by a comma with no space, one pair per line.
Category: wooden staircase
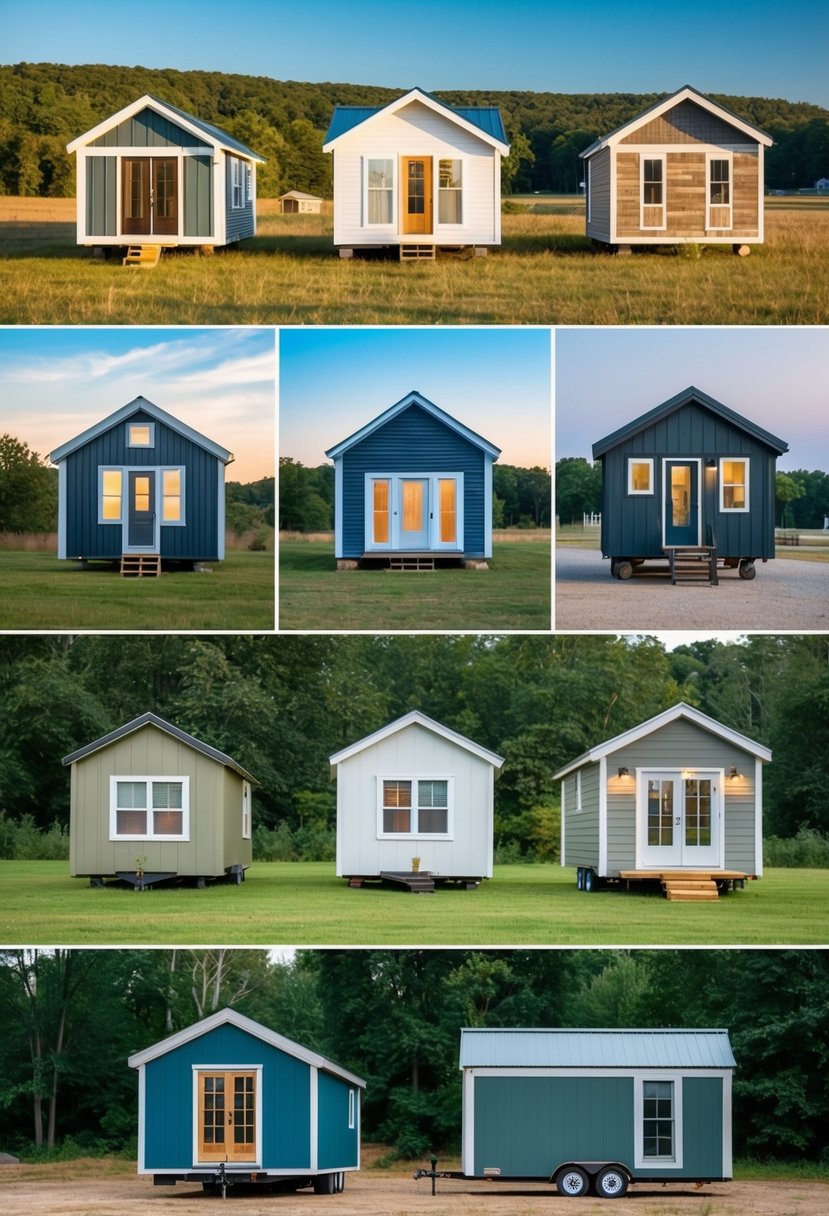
692,564
420,883
413,562
140,565
689,888
145,256
417,253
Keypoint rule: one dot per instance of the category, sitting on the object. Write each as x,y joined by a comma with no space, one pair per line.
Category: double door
227,1117
412,513
680,819
149,196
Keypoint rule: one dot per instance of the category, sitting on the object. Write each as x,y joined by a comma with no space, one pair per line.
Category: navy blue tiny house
228,1100
415,482
141,482
691,481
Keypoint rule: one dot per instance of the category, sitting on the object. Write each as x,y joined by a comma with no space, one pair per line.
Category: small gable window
141,435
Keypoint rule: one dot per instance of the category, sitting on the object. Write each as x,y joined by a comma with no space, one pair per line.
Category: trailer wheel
324,1184
579,878
611,1183
614,567
746,568
590,883
572,1181
624,569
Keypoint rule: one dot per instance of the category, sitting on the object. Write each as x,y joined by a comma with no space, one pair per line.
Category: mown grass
39,592
545,272
514,593
303,903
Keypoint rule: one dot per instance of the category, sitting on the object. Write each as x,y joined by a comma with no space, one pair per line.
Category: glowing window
141,435
734,485
111,486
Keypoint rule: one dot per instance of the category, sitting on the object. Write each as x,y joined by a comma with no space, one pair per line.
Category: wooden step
417,253
145,256
690,887
413,562
140,565
420,883
692,564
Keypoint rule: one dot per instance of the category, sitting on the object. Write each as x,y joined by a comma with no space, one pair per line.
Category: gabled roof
686,93
416,718
196,126
505,1048
686,397
229,1017
150,719
483,121
143,406
680,710
413,398
315,198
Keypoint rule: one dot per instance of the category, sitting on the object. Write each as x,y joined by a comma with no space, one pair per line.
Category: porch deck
689,885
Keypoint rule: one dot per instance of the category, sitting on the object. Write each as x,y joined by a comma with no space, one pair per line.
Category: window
652,195
141,435
660,811
380,512
379,191
415,807
734,484
248,183
110,483
149,808
640,475
719,183
237,183
578,789
352,1109
172,496
246,813
450,210
448,488
658,1120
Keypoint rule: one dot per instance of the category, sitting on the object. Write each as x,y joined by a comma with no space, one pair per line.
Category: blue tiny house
141,482
413,481
153,174
229,1100
690,479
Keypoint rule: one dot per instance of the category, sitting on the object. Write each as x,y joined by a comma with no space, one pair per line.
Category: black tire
624,569
746,569
579,879
590,883
572,1181
339,1182
614,567
611,1183
324,1184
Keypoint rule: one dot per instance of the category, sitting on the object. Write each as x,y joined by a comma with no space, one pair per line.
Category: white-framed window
577,782
719,187
172,496
246,811
640,475
414,806
248,182
734,483
140,434
149,808
110,495
450,191
652,191
380,190
352,1109
657,1112
237,183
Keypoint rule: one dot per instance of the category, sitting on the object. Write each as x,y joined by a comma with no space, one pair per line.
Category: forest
44,105
281,705
70,1018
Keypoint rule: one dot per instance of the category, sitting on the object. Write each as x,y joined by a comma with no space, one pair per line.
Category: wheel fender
591,1168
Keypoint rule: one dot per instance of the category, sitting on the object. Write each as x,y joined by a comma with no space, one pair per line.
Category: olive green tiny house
227,1100
149,802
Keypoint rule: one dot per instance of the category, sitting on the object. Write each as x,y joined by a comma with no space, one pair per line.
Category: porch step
421,883
417,253
692,564
145,256
688,886
412,562
140,565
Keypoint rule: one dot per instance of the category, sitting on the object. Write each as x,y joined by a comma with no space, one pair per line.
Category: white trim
415,779
687,93
432,511
663,206
689,460
338,507
746,460
761,182
640,1161
468,1121
415,717
106,468
717,150
488,462
247,810
710,157
62,476
142,1118
431,103
220,512
758,818
352,1109
602,814
151,432
179,119
577,808
448,225
197,1071
149,836
647,460
313,1116
389,226
562,826
588,190
678,773
139,404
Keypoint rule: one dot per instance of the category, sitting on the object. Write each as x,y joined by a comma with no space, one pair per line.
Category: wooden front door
141,513
681,502
416,194
164,199
135,197
149,196
227,1128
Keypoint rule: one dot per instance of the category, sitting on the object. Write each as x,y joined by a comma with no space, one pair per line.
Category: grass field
305,904
545,272
39,592
514,593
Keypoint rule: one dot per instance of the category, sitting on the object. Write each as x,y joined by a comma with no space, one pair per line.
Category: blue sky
744,47
54,383
496,381
776,376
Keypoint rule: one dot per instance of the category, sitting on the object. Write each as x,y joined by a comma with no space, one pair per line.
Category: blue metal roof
541,1048
486,118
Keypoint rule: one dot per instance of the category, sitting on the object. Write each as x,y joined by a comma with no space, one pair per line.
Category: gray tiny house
597,1109
680,795
152,174
414,481
228,1100
149,802
690,479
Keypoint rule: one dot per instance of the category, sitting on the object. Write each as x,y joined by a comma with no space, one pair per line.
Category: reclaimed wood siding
686,195
581,828
101,195
598,225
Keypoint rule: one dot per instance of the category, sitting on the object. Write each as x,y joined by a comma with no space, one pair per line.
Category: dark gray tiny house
689,476
141,482
149,802
413,481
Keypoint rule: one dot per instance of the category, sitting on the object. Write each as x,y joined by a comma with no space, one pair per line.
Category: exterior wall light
624,772
733,773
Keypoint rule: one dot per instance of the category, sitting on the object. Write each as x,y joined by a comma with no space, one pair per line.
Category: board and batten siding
102,195
198,196
415,752
148,129
415,130
581,827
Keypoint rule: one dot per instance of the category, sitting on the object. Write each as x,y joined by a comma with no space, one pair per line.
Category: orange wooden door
416,194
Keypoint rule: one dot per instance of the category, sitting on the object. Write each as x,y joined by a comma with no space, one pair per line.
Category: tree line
70,1018
45,105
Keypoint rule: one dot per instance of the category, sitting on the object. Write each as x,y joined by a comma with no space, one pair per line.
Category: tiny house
415,790
597,1109
141,482
685,170
297,202
154,175
678,795
416,174
690,478
413,481
228,1100
148,802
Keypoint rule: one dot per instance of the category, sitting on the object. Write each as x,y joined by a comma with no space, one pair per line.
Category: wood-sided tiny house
138,483
154,175
149,802
416,174
685,170
691,482
415,789
414,482
297,202
228,1100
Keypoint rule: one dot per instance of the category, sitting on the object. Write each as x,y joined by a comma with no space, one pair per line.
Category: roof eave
416,718
126,411
180,117
432,103
413,398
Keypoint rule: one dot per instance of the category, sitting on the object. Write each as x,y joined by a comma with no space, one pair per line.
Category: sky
55,382
744,47
775,376
495,381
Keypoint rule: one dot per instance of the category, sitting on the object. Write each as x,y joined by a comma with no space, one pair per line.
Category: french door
149,196
680,819
227,1117
412,512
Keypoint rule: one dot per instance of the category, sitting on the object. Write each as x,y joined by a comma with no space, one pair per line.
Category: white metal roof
143,406
543,1048
416,718
413,398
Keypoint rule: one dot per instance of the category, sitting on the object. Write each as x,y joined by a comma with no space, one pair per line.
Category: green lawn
305,904
39,592
514,593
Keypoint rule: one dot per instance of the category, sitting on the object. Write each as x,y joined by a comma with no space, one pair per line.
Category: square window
141,435
640,475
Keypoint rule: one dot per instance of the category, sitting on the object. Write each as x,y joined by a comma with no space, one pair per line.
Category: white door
680,820
414,512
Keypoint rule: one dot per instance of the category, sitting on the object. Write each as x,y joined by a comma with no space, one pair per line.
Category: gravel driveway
786,595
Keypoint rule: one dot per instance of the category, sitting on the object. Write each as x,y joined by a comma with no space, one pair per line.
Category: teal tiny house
228,1100
597,1109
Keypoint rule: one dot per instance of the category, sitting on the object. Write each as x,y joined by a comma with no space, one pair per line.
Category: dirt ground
374,1193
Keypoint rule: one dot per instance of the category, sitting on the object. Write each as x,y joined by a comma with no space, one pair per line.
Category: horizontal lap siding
599,223
239,222
338,1145
686,196
148,130
581,828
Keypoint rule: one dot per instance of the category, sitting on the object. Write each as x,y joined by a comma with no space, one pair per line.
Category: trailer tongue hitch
434,1173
